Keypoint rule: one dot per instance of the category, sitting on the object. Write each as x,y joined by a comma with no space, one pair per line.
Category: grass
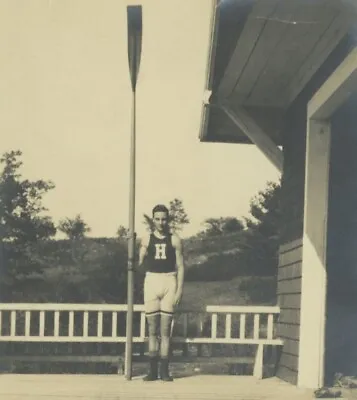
201,294
199,250
239,291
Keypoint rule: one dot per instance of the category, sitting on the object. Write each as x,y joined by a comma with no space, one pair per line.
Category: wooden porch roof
263,54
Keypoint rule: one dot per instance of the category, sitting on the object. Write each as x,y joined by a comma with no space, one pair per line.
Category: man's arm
177,244
143,249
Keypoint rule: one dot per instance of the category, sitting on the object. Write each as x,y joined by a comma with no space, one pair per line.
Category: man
161,254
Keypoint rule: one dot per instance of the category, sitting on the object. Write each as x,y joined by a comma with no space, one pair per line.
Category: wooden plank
13,323
212,44
67,339
71,324
258,365
210,67
58,307
42,324
288,331
85,324
329,40
243,309
100,324
56,323
287,375
289,316
336,90
67,307
314,275
290,245
121,339
256,134
27,323
143,325
273,34
290,301
109,387
214,321
242,325
291,347
256,326
270,326
228,326
289,360
292,271
252,30
289,286
270,119
310,21
290,257
115,359
62,358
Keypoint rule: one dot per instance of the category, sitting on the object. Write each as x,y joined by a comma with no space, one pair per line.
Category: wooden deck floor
115,387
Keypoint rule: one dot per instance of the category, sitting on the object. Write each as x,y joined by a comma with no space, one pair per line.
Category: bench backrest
105,323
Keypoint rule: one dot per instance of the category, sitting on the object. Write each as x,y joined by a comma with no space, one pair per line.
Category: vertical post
85,324
270,328
134,14
228,326
56,324
314,277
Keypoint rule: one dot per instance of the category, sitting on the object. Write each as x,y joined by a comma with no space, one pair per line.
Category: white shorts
159,292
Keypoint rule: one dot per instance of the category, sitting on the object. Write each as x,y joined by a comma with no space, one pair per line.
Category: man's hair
160,208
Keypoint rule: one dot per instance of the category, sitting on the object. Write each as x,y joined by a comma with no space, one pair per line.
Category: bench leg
258,365
121,367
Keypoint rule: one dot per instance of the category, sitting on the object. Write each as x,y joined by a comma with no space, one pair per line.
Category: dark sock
164,370
153,369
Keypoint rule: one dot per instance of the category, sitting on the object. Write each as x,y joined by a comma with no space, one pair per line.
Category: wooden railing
105,323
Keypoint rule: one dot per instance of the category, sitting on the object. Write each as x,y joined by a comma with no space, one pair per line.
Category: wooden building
282,75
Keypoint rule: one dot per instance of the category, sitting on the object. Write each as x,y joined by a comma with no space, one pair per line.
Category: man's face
160,221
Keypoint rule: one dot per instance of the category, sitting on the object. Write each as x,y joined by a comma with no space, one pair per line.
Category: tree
261,252
74,228
37,268
122,232
178,217
253,251
213,226
232,224
21,208
265,211
222,225
24,228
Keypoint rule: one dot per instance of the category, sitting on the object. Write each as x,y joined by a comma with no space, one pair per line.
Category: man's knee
166,323
153,324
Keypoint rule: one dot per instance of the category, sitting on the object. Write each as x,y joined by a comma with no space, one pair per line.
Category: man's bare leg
165,333
153,325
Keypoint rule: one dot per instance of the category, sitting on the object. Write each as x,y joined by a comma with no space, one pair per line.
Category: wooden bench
213,326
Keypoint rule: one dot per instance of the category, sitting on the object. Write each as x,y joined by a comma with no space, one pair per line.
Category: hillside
215,275
198,250
238,291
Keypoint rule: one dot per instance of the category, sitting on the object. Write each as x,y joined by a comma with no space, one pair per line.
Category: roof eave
209,68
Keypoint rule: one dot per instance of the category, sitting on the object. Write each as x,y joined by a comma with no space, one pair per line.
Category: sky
65,102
